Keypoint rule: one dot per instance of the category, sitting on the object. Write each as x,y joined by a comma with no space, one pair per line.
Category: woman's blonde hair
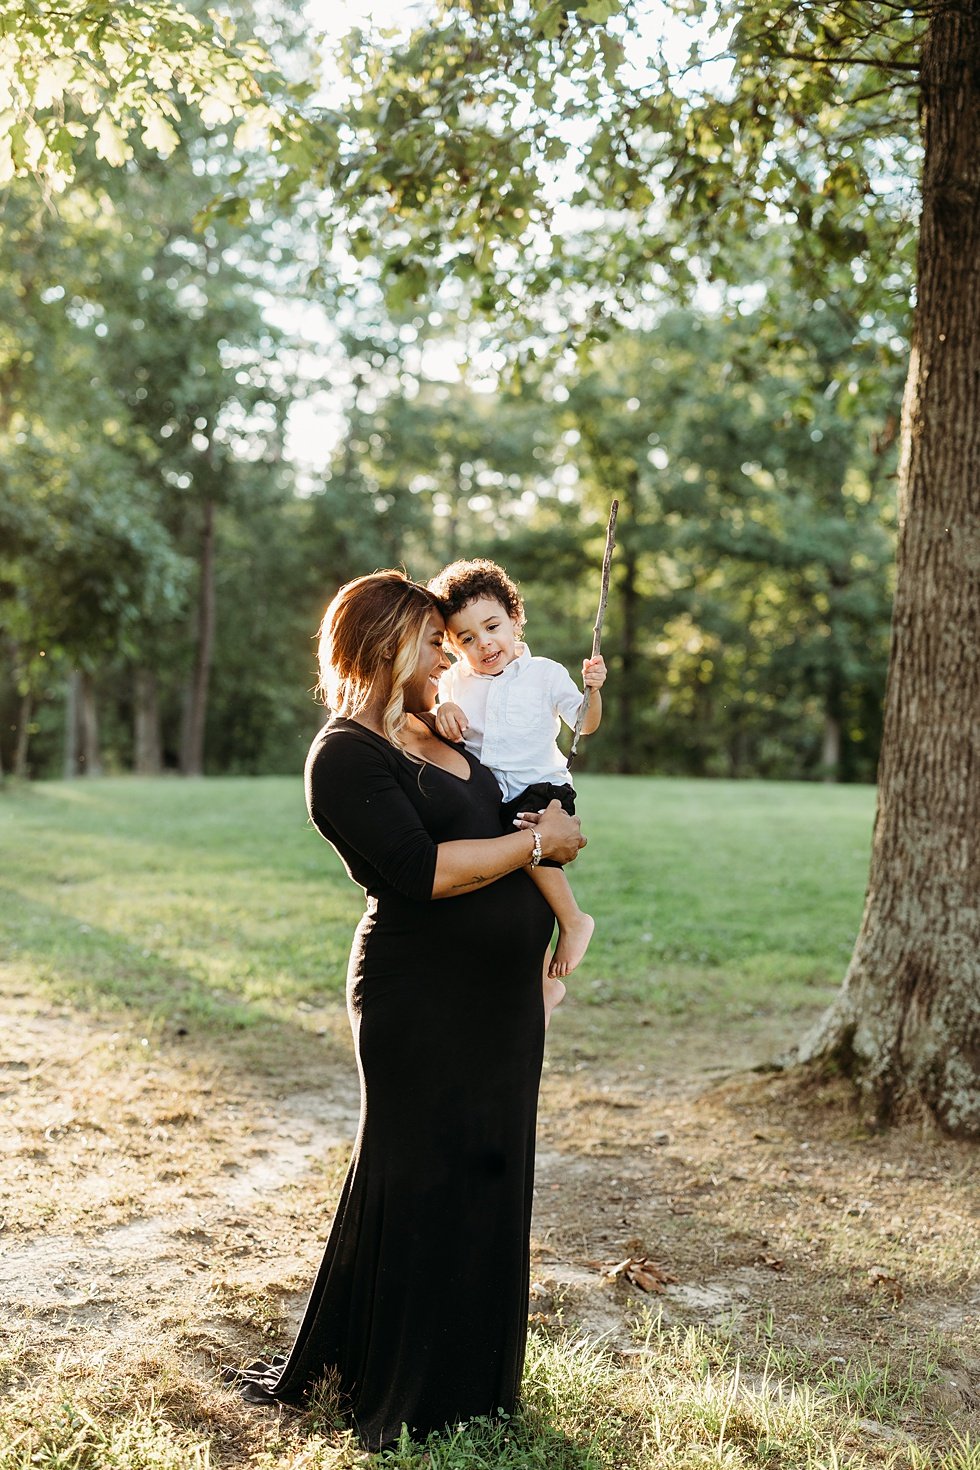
370,643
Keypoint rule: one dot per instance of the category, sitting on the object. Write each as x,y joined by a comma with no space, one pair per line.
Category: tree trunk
23,735
830,754
906,1023
70,768
196,707
147,745
90,753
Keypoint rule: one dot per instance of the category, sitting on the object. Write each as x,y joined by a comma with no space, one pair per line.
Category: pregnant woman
420,1302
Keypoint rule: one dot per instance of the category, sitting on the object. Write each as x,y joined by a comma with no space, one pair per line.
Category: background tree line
163,564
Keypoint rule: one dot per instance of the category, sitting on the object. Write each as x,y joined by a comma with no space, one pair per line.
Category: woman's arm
354,796
462,867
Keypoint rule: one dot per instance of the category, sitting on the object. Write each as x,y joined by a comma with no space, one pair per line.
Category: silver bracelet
536,854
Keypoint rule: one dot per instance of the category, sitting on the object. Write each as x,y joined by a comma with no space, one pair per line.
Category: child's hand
594,672
451,722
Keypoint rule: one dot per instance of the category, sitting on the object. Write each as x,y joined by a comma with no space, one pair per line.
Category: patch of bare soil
154,1192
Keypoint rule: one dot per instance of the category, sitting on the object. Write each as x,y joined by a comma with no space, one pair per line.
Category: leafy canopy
554,156
79,70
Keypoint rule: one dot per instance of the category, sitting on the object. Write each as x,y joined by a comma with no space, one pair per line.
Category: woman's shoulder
342,744
347,764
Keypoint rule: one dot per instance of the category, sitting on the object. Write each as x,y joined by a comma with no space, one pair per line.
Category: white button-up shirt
514,718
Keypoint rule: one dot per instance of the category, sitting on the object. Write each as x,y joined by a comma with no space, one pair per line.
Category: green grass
682,1403
216,902
765,879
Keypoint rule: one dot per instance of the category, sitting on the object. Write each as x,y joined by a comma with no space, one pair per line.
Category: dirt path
142,1184
155,1193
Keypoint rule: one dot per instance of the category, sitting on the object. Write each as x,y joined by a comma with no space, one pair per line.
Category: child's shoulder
553,679
547,667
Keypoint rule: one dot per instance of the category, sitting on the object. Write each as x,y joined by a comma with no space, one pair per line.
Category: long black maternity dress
420,1302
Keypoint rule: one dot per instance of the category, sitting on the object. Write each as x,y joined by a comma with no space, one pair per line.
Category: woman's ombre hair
370,643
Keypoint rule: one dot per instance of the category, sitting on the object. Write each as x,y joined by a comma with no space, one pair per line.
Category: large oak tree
907,1019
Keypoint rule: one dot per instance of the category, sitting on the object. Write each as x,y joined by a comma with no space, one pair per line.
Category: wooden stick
600,616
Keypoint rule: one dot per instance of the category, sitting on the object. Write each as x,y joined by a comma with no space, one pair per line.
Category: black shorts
534,799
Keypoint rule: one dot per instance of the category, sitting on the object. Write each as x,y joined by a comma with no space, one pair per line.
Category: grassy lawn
217,901
180,950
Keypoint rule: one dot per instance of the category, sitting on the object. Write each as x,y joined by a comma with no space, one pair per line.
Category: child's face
485,634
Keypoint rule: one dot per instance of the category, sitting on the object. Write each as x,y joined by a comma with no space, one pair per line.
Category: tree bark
70,768
147,745
906,1023
23,735
831,751
90,751
196,707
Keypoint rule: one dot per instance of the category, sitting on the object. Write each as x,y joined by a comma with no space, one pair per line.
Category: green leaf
599,11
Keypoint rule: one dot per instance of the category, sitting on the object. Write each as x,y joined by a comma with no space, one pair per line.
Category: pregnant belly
451,987
505,925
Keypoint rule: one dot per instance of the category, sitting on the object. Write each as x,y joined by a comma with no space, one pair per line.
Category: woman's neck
374,726
371,717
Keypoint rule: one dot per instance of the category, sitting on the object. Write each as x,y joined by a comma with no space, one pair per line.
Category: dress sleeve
353,793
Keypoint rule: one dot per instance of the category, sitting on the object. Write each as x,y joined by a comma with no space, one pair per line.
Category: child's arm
451,722
593,677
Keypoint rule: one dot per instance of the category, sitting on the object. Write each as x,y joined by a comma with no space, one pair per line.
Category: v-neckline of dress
433,765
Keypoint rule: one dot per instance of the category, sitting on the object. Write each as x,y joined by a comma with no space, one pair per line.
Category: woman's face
421,689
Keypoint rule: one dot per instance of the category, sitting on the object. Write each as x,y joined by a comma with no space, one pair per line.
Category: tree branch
877,62
600,617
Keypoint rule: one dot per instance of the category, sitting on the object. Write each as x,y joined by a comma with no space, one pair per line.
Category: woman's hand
561,835
463,866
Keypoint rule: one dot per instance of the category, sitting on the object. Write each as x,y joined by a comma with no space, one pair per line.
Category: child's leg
574,927
554,990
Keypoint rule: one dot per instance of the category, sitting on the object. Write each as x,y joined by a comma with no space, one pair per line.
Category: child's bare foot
554,994
573,941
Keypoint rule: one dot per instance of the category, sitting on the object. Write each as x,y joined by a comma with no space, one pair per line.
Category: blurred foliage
552,165
711,328
78,75
139,381
751,585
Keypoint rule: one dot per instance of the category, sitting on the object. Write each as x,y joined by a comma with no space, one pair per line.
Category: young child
506,707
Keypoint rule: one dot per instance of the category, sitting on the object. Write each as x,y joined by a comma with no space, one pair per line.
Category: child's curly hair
462,582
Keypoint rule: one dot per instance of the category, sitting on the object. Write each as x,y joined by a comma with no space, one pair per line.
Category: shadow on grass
73,831
94,969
